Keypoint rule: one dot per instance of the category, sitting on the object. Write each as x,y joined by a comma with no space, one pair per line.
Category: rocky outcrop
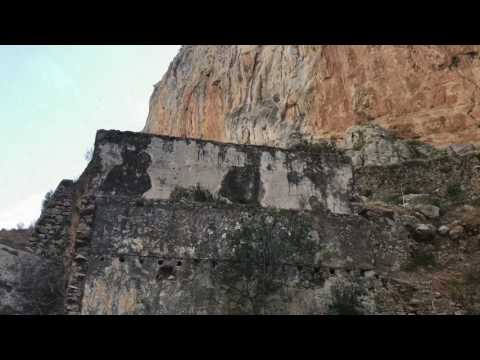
281,94
371,145
29,284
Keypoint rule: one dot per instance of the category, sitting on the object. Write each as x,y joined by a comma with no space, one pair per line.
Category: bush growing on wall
46,199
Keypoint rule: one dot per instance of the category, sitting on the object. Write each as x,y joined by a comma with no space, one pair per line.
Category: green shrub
394,200
46,199
420,259
345,302
315,147
196,194
455,191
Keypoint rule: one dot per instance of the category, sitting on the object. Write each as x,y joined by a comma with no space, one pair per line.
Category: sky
53,99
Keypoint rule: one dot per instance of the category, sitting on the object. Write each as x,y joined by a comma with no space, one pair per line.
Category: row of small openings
195,261
316,269
161,261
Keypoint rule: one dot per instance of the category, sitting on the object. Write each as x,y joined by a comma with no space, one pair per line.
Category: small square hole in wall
179,263
332,271
160,262
121,259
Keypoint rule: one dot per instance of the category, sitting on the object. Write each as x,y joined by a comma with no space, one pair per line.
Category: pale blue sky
52,101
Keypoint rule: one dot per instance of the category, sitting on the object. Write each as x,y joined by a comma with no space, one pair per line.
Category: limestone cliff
174,225
280,94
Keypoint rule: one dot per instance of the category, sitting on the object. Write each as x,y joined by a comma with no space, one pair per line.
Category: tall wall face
278,94
50,236
161,225
162,257
176,226
162,168
33,281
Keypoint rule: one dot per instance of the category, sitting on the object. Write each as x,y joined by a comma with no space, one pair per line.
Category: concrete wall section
162,168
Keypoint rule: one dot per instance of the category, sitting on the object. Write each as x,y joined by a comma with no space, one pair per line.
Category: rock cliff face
375,222
279,95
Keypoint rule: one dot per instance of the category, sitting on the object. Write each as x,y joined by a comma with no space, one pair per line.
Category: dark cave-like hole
332,271
121,259
160,262
214,264
102,258
179,263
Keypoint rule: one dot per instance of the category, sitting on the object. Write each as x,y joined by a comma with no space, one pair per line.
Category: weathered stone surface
372,145
425,232
167,258
269,177
415,199
443,230
54,222
430,211
444,177
461,149
279,94
456,232
154,239
29,284
145,234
